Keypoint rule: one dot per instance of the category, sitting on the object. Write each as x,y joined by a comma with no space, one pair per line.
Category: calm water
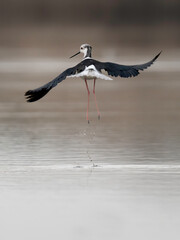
117,178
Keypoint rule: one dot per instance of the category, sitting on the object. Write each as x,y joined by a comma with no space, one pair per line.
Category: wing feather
36,94
125,71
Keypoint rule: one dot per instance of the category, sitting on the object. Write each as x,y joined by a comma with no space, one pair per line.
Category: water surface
115,178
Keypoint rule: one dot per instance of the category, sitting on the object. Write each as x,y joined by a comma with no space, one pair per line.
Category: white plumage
91,72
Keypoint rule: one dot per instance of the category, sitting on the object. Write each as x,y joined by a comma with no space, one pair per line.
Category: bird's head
86,49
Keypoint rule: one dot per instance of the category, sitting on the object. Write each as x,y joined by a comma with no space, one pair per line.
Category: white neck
85,52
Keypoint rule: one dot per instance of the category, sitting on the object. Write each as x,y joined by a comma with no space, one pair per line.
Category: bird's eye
81,47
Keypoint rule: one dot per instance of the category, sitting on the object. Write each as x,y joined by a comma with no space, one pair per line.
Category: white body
91,72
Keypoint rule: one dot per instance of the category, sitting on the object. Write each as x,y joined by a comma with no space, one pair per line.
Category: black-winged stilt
89,69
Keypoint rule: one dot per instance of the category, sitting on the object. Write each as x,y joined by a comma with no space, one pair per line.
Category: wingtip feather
157,55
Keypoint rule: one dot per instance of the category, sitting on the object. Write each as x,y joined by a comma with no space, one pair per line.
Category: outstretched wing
36,94
115,70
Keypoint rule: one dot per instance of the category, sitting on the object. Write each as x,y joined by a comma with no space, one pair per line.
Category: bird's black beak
75,55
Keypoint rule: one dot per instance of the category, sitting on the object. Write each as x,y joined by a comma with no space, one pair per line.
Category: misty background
117,177
61,26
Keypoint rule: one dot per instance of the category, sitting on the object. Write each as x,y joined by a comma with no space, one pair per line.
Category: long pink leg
87,117
95,99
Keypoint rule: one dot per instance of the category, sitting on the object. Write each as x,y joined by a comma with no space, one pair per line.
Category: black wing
115,70
36,94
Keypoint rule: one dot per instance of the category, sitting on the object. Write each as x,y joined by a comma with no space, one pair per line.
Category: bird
89,69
